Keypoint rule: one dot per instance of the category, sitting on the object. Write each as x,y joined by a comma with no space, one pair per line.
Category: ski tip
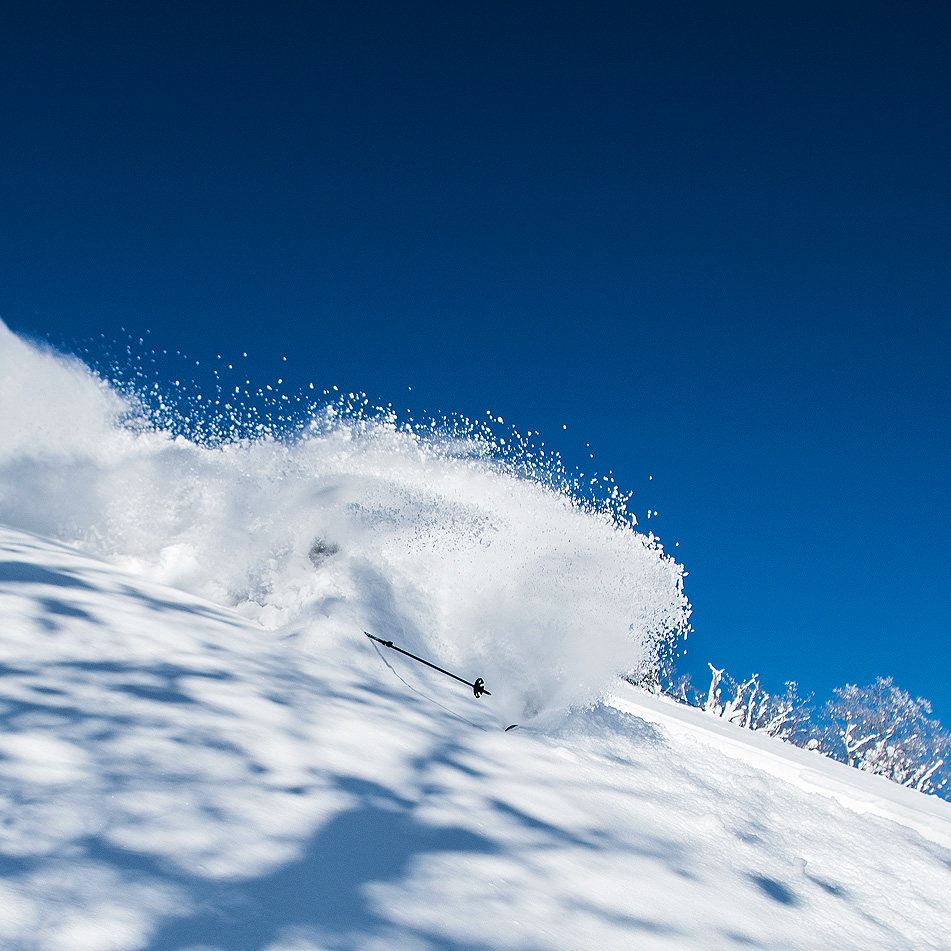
514,726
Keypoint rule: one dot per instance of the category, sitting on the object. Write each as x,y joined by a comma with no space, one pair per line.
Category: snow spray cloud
326,522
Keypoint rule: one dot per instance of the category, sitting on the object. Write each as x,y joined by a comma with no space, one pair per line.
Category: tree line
879,728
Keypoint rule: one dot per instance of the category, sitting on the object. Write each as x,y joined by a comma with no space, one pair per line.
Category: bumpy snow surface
200,750
174,777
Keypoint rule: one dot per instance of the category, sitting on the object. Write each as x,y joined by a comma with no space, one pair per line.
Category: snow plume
354,522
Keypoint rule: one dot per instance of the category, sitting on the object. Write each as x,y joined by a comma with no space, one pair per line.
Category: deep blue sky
711,239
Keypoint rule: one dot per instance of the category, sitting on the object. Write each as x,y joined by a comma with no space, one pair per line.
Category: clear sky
711,240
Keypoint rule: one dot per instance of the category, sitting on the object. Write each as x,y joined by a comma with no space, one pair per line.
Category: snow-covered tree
785,715
747,704
647,676
882,729
879,728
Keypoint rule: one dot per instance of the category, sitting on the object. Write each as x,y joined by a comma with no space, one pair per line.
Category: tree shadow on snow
325,892
23,572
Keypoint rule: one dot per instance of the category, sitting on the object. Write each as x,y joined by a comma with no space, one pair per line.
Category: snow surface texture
181,775
172,777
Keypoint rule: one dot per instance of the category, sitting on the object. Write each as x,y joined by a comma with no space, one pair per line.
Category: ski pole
478,688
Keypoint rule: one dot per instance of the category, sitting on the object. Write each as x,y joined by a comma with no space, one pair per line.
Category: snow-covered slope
811,772
173,776
200,751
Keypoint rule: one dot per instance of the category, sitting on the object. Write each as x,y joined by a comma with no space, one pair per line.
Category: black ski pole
478,688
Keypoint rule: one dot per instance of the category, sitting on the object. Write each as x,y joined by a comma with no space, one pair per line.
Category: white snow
437,547
228,764
810,771
175,777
